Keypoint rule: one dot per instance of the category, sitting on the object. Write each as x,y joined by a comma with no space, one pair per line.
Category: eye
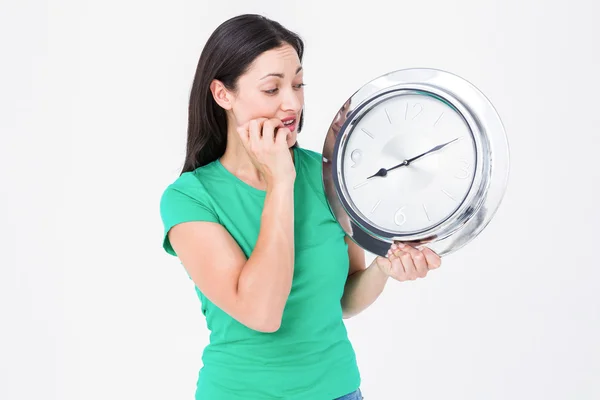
271,91
299,86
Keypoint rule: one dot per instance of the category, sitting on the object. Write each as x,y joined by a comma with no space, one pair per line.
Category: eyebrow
279,75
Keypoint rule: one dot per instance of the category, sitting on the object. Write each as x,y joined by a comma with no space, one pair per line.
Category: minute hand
436,148
383,171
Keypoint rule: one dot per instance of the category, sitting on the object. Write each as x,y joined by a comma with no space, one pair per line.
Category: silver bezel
491,170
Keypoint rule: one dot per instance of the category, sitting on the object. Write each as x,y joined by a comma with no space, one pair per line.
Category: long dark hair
228,53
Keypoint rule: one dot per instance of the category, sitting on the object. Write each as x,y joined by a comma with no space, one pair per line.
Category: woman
249,221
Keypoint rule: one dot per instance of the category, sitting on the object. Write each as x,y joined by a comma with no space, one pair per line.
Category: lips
290,123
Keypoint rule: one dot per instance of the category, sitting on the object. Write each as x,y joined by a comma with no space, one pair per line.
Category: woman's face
271,88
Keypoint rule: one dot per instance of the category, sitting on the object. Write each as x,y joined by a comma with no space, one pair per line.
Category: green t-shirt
310,357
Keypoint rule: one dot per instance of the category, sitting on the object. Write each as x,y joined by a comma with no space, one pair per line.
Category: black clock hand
383,171
436,148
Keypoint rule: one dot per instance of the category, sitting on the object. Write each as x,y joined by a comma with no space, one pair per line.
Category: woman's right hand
265,140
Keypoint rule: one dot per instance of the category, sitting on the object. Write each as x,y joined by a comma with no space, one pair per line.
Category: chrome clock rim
491,176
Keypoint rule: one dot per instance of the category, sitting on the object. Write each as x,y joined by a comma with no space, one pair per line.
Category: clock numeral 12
416,106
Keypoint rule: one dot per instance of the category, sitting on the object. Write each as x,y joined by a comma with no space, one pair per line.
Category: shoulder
185,195
186,185
185,200
191,184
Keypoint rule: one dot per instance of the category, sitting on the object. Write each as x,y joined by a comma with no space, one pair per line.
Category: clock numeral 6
356,156
464,170
400,217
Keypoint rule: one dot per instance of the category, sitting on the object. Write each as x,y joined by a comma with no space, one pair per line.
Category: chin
292,139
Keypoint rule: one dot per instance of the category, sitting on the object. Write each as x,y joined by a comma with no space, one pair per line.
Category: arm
364,285
254,290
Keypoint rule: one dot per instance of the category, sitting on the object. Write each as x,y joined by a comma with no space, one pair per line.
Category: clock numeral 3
400,217
464,170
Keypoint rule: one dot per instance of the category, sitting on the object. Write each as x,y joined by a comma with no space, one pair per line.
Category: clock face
423,193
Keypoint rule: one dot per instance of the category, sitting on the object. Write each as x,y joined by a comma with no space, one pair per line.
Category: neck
237,160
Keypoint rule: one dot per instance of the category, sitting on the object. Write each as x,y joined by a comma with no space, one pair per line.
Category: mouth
290,123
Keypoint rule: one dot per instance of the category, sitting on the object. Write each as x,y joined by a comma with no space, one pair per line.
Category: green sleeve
178,205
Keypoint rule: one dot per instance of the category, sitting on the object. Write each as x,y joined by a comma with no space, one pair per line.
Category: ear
221,95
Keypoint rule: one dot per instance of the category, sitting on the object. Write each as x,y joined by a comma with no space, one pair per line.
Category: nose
292,101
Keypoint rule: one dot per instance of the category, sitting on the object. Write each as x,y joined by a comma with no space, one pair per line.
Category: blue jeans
356,395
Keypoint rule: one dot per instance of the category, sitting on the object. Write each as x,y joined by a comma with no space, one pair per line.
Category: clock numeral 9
400,217
464,169
356,156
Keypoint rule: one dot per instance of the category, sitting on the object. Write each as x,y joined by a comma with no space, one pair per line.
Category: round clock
418,156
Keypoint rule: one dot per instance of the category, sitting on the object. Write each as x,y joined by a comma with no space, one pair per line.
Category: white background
93,114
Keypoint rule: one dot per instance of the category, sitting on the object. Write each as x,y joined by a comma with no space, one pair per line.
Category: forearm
362,289
266,279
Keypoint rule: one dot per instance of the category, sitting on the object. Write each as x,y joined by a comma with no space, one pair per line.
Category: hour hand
383,171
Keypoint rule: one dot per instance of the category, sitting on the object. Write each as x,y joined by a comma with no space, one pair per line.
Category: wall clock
419,156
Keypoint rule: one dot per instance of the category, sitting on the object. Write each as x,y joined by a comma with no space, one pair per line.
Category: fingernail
394,246
401,245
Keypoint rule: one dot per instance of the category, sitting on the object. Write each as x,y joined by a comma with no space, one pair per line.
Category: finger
384,264
433,260
256,126
282,135
244,132
397,269
418,259
389,253
393,247
269,127
410,270
253,129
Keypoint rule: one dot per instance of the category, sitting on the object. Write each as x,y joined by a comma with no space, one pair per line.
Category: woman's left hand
406,263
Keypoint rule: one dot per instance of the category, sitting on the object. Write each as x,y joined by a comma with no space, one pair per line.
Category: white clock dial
424,193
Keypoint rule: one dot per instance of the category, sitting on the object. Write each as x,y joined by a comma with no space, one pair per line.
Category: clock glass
408,162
